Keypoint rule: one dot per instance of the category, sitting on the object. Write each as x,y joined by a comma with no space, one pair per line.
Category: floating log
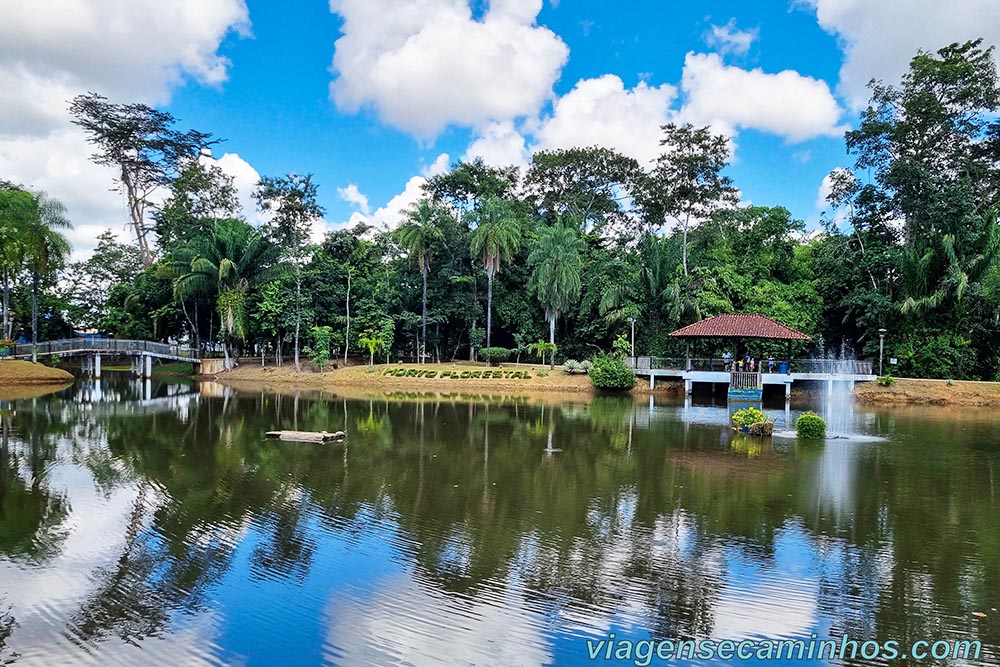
306,436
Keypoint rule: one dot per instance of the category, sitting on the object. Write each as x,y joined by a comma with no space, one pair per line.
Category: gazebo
735,327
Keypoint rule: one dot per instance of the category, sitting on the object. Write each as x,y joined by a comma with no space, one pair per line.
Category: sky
374,96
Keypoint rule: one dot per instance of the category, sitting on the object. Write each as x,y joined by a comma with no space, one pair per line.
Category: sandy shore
17,372
930,392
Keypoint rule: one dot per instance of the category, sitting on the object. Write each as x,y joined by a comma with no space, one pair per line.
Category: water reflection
152,523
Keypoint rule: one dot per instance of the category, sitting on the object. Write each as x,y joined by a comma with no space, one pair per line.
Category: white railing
746,380
72,346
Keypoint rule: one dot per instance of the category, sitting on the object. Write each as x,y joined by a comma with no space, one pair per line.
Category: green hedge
611,373
810,425
495,353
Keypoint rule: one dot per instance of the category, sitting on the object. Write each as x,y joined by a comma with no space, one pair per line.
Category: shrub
321,346
609,372
886,381
810,425
621,348
585,365
571,366
493,354
747,417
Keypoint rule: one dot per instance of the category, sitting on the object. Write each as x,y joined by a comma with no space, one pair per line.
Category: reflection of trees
7,625
614,519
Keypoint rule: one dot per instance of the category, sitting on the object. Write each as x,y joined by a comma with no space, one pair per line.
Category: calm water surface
152,525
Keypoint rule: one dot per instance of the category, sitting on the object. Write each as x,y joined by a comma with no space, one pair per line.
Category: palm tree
420,235
557,264
45,250
17,209
225,264
496,239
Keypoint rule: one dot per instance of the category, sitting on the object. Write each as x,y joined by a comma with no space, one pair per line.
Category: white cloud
498,144
129,50
880,38
424,64
729,98
440,165
352,195
602,112
730,39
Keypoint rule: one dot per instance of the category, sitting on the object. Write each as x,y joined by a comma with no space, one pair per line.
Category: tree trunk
684,247
489,308
34,317
347,334
298,315
552,341
423,342
6,303
371,356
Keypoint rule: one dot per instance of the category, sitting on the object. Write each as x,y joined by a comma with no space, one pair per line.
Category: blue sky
372,95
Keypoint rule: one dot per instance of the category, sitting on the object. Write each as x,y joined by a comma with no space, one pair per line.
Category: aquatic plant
810,425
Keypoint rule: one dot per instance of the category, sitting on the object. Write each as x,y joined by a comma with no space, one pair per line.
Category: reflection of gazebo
735,327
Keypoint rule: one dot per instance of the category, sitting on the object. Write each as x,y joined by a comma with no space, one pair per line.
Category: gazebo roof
738,325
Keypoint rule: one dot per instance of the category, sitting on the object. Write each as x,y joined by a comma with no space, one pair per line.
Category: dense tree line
563,257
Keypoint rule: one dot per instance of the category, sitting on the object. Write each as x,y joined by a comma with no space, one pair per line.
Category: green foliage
609,372
886,381
621,348
495,354
320,349
810,425
541,349
928,354
747,417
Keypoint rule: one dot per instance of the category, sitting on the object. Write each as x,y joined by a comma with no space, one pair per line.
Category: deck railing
746,380
108,345
833,366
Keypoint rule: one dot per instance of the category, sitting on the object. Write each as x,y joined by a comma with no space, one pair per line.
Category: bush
493,354
585,365
571,366
886,381
609,372
748,417
810,425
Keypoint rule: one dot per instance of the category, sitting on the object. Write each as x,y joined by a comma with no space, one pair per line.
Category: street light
631,321
881,349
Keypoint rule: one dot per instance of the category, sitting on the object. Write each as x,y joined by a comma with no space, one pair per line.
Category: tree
45,249
496,239
321,346
17,210
557,264
373,341
421,237
201,194
140,143
225,265
292,206
590,185
686,183
90,281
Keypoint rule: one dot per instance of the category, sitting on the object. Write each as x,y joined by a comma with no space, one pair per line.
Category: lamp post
881,349
631,321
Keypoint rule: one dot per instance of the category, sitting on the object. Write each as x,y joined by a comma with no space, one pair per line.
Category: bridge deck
111,346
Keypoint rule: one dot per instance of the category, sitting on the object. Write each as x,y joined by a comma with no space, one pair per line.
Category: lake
151,524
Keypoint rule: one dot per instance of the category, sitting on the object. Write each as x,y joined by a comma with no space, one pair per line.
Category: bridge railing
108,345
833,366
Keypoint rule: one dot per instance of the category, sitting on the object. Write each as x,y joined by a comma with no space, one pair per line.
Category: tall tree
292,206
143,147
496,239
201,194
591,185
89,282
225,265
686,183
46,250
556,260
17,211
421,237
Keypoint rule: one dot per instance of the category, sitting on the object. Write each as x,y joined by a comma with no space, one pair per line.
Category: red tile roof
737,325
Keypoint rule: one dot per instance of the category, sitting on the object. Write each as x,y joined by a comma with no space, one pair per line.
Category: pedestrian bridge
143,351
714,371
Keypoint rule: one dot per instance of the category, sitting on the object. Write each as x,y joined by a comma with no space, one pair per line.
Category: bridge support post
147,365
652,380
97,365
688,384
788,391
